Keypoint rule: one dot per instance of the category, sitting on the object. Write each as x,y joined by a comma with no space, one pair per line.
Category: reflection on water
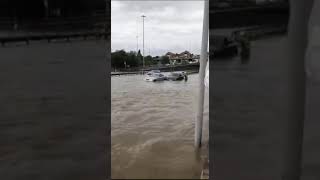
153,128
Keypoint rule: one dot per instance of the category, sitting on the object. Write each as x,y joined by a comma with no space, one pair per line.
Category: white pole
203,59
143,16
137,45
297,43
137,36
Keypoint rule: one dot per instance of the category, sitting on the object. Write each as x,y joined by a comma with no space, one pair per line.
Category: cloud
169,26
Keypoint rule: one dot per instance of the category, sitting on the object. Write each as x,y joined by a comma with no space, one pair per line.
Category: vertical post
203,59
137,44
143,16
297,43
137,36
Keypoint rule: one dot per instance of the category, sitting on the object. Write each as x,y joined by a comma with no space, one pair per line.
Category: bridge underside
249,17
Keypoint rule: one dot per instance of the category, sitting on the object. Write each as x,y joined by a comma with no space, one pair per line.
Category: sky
173,26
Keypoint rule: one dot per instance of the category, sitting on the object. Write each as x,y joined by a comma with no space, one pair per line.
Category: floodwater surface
153,128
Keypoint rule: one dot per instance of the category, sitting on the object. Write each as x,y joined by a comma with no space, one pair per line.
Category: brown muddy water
153,128
53,116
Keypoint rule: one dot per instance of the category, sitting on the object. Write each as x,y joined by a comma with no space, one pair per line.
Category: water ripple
153,128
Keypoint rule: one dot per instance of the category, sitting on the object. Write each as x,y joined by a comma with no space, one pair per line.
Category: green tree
139,58
165,60
148,60
156,60
132,59
118,58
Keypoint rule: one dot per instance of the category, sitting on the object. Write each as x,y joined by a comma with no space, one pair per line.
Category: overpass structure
249,16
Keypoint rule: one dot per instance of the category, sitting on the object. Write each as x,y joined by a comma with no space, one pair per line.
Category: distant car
155,77
176,76
152,72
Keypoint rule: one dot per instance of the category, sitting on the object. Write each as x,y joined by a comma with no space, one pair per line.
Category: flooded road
250,105
153,128
53,111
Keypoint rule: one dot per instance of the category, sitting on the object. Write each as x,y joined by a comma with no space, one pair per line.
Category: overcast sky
169,26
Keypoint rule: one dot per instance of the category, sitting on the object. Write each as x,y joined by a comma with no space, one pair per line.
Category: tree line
121,59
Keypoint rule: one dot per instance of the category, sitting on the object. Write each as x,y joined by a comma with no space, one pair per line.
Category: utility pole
143,16
203,62
137,35
137,44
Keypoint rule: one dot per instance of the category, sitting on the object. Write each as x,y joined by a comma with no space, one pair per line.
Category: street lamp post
137,37
137,43
143,16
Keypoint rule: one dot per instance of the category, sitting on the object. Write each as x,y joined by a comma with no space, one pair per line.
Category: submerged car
152,72
153,77
177,76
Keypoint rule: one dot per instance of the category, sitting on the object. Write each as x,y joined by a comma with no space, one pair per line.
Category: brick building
184,57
